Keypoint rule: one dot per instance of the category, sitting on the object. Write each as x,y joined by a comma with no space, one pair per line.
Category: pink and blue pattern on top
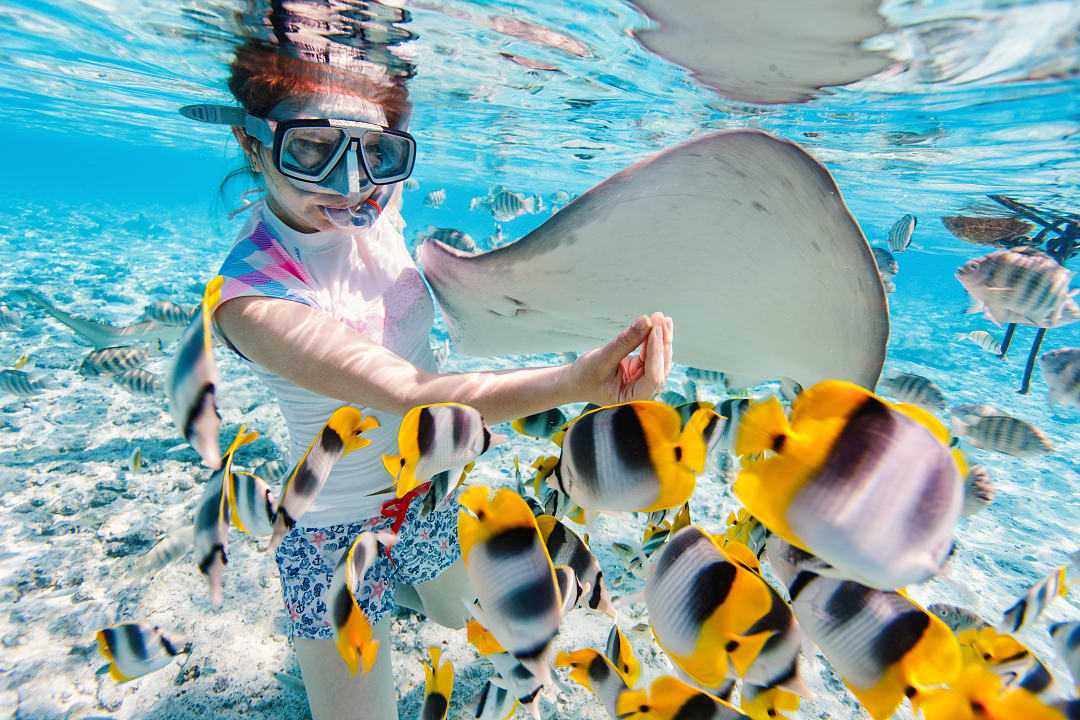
258,265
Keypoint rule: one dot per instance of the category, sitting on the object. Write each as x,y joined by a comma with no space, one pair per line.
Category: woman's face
302,209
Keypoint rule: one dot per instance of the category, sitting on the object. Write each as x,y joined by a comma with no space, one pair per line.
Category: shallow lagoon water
109,212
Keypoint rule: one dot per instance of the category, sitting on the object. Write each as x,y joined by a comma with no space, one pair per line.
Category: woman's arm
318,352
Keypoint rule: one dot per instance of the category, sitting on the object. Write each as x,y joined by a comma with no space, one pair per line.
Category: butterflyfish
192,379
634,456
511,571
251,504
715,617
541,425
883,645
595,672
669,698
566,548
436,438
1033,602
868,486
438,686
211,526
494,703
621,654
341,435
978,694
133,650
1006,657
1067,638
353,634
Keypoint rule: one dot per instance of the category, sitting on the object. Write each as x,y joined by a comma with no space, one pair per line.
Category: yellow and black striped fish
1006,657
134,649
541,425
191,382
566,548
353,634
436,439
1029,607
868,486
211,526
669,698
340,436
596,673
716,617
438,686
251,504
884,646
512,574
621,654
634,456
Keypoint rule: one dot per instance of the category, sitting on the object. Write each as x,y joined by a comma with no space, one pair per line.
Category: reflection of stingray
742,238
762,52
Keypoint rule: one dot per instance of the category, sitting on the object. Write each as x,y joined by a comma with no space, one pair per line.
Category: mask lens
308,151
387,157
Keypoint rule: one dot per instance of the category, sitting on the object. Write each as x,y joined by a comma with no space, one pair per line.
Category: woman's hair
263,75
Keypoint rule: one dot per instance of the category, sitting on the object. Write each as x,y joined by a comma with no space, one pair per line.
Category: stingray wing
742,238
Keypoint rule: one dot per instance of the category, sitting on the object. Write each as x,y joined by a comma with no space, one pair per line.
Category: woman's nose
347,177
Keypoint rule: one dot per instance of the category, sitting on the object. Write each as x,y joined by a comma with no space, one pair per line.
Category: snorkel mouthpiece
365,215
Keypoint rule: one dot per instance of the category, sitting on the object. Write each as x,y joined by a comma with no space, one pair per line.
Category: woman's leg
444,597
336,694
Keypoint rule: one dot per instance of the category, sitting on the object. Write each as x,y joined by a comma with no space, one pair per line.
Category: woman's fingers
654,362
669,336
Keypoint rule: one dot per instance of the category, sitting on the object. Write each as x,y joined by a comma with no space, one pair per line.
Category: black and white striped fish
566,548
1029,607
139,381
1020,285
512,574
881,644
983,339
341,435
915,389
451,236
1061,370
251,504
135,649
111,360
1003,434
169,313
900,233
434,439
710,376
716,617
20,384
353,635
435,198
211,525
886,263
1067,638
191,382
978,490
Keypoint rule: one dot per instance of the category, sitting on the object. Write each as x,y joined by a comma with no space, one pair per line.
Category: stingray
779,51
742,238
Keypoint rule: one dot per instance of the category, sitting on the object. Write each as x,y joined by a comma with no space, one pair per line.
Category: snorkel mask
310,153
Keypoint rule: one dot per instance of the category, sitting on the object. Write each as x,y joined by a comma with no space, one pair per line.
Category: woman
323,298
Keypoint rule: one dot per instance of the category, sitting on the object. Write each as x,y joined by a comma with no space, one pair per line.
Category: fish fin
497,439
369,653
749,647
740,553
546,523
439,676
392,463
557,437
630,702
468,533
692,440
519,426
115,674
761,426
481,638
578,516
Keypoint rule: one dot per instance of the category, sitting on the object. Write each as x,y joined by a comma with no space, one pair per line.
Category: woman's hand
610,374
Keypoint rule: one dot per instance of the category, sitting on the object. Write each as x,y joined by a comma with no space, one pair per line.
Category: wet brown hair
261,76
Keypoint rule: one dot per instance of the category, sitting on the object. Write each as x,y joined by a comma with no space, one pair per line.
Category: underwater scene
483,359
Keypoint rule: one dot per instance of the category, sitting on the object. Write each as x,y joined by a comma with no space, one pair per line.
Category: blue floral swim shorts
427,545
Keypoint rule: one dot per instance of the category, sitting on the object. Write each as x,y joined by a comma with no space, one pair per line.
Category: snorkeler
322,297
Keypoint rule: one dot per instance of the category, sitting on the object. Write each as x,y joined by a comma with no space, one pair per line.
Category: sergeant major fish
20,384
139,382
1003,434
111,360
435,198
900,233
1020,285
169,313
1061,370
983,339
846,466
917,390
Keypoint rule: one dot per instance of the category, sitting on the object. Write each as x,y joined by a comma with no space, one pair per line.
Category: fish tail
115,674
369,653
692,441
103,646
747,648
763,427
441,679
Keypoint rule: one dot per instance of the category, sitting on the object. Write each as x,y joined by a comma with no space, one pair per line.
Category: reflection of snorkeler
329,239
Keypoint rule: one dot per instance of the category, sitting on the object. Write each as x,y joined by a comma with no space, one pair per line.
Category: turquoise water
111,201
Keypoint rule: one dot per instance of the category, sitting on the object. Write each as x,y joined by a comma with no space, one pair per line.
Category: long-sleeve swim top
367,280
